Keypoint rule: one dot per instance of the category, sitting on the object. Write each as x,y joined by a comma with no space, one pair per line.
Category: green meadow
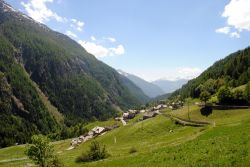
160,142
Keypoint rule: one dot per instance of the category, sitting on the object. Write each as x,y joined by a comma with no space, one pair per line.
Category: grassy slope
227,144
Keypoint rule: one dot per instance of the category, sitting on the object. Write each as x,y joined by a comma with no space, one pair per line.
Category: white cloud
111,39
71,34
188,72
95,49
237,13
165,73
100,51
77,24
93,38
234,35
119,50
38,10
223,30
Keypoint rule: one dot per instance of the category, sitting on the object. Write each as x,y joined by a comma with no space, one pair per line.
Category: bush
96,152
247,92
132,150
225,95
239,97
42,153
206,111
205,96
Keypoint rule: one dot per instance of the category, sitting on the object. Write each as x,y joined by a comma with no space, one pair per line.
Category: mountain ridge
150,89
169,86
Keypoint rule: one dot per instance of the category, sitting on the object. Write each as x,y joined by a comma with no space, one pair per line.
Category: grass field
160,142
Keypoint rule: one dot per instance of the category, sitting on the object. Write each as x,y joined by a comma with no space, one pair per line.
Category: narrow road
123,122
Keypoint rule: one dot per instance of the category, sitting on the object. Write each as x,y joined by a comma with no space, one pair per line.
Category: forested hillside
232,71
22,111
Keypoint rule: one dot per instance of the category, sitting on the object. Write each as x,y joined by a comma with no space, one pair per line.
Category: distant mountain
161,97
170,86
150,89
233,71
47,80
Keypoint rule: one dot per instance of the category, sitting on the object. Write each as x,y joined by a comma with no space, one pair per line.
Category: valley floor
160,142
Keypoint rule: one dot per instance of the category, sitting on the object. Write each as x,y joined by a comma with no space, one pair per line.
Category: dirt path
186,122
13,159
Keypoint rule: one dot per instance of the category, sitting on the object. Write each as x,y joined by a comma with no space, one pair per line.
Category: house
158,107
164,106
81,137
142,111
98,130
125,115
79,141
74,142
148,115
117,118
129,115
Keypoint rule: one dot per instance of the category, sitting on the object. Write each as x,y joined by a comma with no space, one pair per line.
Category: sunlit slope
159,142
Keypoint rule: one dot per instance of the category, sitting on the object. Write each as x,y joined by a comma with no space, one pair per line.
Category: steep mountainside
36,63
22,111
234,70
150,89
170,86
136,89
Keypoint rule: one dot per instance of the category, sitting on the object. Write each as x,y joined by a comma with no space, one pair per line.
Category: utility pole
188,103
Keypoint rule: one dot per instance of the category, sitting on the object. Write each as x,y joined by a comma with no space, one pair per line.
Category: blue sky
153,39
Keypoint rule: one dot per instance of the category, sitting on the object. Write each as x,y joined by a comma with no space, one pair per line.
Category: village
126,116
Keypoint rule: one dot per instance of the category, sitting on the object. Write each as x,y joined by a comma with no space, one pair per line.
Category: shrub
96,152
205,96
42,153
206,111
132,150
247,92
225,95
239,98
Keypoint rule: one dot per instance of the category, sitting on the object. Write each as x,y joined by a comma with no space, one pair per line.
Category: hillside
44,72
161,97
170,86
150,89
136,89
160,142
233,71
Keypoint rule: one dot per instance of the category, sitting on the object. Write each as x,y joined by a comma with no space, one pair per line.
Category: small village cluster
130,114
150,112
91,134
